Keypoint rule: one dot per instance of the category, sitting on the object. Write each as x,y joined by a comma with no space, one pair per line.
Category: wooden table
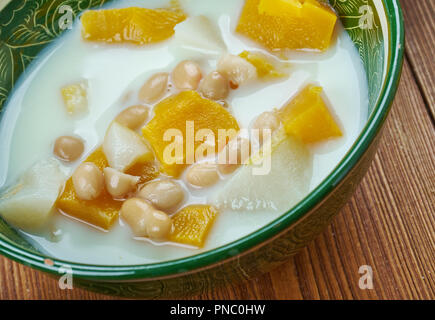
389,224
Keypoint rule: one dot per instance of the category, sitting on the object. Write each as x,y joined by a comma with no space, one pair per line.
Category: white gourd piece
124,147
280,189
29,204
198,34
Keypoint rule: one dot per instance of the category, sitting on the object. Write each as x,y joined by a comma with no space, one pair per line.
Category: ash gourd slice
275,190
124,148
198,34
28,205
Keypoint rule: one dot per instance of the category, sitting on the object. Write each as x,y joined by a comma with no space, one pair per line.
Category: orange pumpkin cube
288,24
147,171
192,224
280,7
103,211
134,25
308,118
176,113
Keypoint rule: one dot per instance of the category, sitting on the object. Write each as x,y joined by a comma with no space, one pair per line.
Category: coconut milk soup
113,148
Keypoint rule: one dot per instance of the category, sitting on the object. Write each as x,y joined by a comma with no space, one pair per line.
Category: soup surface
114,74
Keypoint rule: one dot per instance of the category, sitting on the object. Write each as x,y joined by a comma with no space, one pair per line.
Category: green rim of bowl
209,258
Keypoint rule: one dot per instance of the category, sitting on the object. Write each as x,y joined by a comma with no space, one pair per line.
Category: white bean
163,194
144,220
68,148
88,181
119,184
266,121
215,86
154,88
237,70
186,75
133,117
202,175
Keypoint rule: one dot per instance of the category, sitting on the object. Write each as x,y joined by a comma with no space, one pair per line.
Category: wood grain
389,224
420,26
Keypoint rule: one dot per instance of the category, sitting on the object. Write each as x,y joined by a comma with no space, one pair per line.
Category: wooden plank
420,41
389,224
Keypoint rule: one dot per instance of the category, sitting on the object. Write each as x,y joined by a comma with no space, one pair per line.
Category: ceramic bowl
375,26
